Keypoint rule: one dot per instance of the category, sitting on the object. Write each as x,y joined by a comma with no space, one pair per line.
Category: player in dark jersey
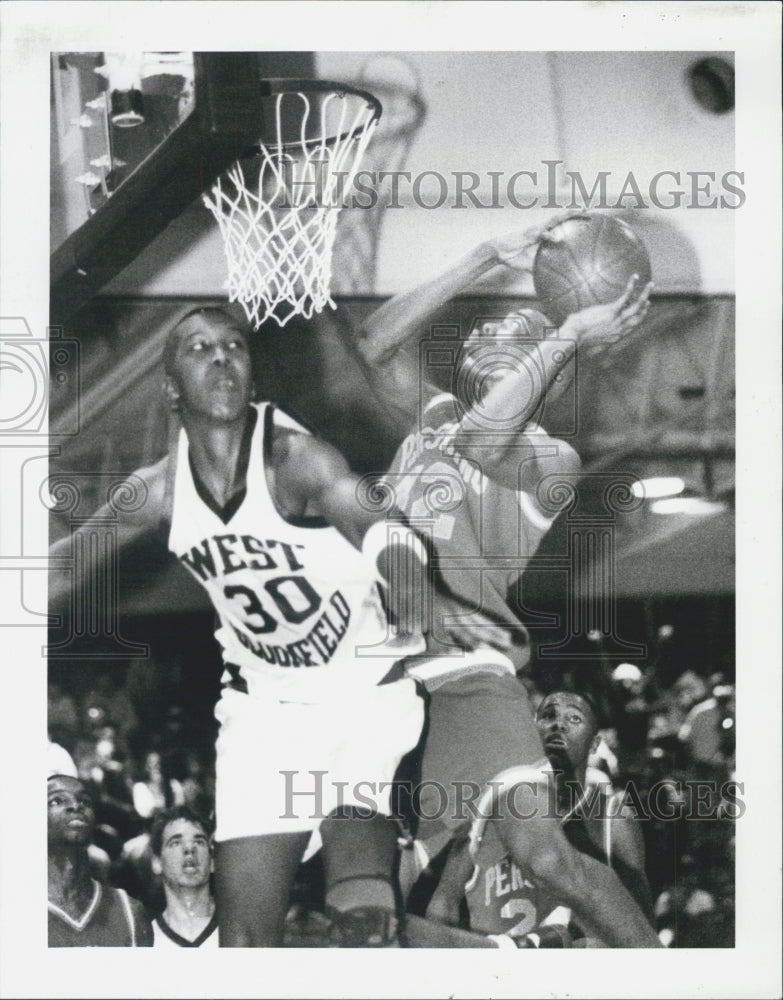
83,912
501,898
469,456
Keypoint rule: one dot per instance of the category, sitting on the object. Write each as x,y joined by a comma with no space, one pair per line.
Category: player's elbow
371,348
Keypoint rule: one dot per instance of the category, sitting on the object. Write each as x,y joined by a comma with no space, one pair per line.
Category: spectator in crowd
82,911
133,870
156,790
675,704
182,858
708,729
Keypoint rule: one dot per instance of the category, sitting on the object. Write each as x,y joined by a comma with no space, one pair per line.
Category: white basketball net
278,227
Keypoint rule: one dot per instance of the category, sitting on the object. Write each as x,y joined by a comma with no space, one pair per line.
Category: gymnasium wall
506,112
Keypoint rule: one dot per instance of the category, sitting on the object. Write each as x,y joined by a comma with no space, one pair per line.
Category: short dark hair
170,347
72,777
166,816
588,697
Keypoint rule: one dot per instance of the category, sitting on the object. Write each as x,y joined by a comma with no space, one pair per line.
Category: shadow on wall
673,256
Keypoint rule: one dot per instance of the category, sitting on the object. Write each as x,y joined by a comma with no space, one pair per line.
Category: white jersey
166,937
300,608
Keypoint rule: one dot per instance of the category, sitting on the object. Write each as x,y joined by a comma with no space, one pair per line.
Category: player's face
70,811
492,351
211,374
567,727
185,854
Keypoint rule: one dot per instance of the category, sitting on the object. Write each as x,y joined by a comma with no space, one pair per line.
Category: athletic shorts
479,725
282,767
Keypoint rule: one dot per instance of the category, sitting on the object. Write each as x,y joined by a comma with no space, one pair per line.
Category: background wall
505,112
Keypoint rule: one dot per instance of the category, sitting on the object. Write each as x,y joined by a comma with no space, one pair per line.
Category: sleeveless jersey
111,920
483,533
299,607
501,900
165,937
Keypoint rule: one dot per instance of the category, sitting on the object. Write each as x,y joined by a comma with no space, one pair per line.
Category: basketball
589,262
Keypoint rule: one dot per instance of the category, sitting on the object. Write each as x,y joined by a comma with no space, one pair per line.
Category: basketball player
82,911
182,858
501,898
489,458
266,518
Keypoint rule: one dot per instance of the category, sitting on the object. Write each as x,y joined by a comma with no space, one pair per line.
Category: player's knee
552,866
245,935
241,927
363,927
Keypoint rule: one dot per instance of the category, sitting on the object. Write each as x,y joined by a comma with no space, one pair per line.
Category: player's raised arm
319,477
131,527
398,323
538,373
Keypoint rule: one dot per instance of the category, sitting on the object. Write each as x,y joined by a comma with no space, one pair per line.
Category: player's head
70,813
181,848
496,348
207,364
568,723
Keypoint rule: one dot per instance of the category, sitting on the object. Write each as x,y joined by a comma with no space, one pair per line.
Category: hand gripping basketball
515,249
600,325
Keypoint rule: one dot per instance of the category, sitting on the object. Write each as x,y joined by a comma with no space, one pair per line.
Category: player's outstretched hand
599,325
515,249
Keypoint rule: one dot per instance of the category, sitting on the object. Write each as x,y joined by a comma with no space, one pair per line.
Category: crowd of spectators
671,748
131,773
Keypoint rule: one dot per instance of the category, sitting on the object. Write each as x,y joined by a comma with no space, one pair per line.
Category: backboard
136,137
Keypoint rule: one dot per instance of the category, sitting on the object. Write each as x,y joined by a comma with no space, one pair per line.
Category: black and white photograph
390,441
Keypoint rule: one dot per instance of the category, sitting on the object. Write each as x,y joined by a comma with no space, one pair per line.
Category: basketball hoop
277,209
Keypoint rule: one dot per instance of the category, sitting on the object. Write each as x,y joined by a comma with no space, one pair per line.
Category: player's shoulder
300,454
284,433
282,422
439,410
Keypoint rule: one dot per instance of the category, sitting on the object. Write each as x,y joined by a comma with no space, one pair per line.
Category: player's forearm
399,320
521,392
400,559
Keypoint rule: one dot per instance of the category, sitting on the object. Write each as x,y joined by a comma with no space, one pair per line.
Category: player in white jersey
182,859
267,518
485,455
